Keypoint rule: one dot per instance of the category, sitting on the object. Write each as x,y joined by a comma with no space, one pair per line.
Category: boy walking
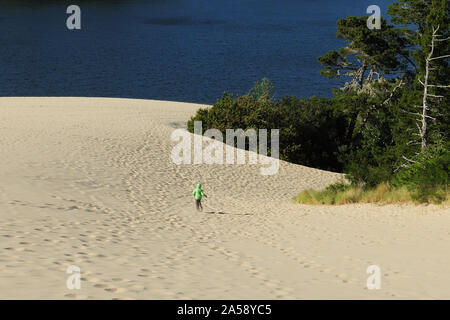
198,194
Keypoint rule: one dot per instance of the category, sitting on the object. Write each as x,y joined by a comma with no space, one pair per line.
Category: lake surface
180,50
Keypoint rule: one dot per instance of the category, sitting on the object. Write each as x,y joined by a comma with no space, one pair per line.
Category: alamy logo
213,153
74,20
374,21
74,281
374,280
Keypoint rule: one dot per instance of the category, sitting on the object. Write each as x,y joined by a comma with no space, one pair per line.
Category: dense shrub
309,128
427,178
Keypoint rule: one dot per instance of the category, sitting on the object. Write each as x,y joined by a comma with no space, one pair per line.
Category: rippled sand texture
89,182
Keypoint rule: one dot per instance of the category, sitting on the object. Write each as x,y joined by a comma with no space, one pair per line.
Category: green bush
262,90
309,128
427,178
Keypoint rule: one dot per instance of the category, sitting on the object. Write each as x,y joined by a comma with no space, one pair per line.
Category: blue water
180,50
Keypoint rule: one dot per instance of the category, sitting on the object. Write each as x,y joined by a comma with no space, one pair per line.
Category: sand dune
89,182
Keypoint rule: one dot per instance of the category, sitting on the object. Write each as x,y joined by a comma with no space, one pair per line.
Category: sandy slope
89,182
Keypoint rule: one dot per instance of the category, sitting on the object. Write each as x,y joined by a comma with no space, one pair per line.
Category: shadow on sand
236,214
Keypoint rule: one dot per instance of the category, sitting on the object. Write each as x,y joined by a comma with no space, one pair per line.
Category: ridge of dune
89,182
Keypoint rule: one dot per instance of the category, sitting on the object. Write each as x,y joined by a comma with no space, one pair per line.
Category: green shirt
198,192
